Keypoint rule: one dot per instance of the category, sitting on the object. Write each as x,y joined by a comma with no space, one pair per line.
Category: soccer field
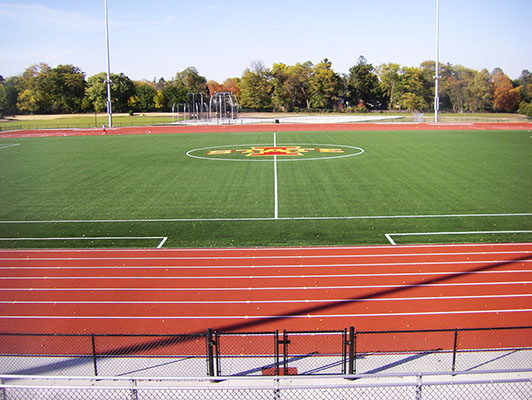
266,189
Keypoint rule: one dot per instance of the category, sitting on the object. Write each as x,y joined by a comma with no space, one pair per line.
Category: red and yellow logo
274,151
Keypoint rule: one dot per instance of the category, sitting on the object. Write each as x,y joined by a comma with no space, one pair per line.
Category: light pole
109,108
437,87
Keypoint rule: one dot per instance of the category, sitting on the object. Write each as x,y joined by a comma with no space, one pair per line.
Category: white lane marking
487,296
300,276
264,288
192,317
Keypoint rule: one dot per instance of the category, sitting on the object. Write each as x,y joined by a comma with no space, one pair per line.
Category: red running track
268,128
263,289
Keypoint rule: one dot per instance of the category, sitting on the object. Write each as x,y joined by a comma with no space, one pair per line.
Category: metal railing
276,353
414,387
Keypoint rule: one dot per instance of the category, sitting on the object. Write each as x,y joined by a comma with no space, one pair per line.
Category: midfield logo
274,151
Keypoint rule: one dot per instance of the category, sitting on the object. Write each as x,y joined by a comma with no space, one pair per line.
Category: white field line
161,238
275,182
231,277
265,288
486,296
5,146
252,219
191,317
389,235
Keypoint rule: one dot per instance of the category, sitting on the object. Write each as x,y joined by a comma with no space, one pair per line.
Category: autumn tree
159,102
505,96
233,85
458,87
214,87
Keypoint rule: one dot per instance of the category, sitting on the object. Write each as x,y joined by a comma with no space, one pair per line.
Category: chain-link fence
267,353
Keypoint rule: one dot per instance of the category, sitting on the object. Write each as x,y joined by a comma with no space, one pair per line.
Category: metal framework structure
222,107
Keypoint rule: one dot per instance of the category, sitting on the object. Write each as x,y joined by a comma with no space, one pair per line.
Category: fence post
94,355
276,344
210,353
134,391
454,349
285,342
352,351
419,387
2,391
344,352
217,353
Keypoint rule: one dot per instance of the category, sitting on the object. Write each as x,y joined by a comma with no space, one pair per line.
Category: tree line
305,86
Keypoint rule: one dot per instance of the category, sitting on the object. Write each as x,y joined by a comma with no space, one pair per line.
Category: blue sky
158,38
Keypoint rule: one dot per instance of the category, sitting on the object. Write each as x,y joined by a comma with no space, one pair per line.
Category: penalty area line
390,239
162,239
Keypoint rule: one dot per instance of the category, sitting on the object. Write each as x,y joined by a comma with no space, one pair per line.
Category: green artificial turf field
338,188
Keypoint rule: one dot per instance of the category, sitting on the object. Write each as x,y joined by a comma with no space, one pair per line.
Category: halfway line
275,185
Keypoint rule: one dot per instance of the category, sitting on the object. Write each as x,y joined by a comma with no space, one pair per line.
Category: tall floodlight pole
437,87
109,108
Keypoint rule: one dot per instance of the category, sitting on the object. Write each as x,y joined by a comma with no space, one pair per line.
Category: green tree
524,83
255,87
363,85
390,81
412,88
324,85
193,81
96,92
481,92
122,88
145,93
3,100
281,99
34,95
11,86
291,85
174,93
66,85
